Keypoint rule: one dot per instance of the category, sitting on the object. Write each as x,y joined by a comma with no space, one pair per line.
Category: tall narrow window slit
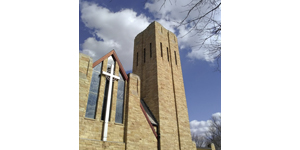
175,57
168,53
161,50
137,59
150,51
144,55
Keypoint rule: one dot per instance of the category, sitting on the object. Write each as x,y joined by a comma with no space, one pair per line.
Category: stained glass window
93,93
120,100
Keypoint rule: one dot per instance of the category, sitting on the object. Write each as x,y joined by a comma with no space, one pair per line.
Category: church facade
145,109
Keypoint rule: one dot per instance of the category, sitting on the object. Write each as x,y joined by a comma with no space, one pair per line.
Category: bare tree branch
214,133
204,25
200,16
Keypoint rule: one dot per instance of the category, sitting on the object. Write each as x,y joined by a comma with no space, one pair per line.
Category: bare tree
199,140
205,26
214,133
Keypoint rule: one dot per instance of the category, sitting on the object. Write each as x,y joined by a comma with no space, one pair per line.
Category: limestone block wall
139,135
88,144
168,123
162,85
90,130
156,92
212,147
180,98
85,75
144,65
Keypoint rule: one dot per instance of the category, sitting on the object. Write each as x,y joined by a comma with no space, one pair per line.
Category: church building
142,110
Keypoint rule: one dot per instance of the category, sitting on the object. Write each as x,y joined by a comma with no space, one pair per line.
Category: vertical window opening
161,50
144,55
150,51
137,59
168,53
93,93
120,100
175,57
161,30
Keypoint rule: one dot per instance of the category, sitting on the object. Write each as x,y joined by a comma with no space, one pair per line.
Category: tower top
154,27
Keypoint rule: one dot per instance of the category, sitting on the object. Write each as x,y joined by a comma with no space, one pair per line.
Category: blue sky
260,75
105,25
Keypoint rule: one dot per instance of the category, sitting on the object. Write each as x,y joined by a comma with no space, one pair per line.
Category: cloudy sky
260,75
105,25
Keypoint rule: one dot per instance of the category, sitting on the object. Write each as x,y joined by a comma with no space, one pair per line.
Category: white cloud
200,127
112,30
218,114
170,10
174,12
117,30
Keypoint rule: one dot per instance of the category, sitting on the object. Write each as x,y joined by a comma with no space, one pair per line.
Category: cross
110,76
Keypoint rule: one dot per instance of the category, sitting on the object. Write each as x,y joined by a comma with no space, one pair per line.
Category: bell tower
157,63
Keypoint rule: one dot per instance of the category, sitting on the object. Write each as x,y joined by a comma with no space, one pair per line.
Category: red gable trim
151,126
114,54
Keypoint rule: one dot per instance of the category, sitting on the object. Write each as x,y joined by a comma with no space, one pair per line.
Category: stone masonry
157,62
90,130
135,132
138,132
157,79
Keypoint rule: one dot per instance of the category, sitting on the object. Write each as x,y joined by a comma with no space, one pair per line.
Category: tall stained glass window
109,64
120,100
93,93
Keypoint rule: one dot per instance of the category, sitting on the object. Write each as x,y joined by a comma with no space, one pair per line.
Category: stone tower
157,63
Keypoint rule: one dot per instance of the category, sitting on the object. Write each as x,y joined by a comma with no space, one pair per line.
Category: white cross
111,78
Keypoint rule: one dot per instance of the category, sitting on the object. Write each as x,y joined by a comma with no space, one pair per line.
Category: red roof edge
151,126
114,54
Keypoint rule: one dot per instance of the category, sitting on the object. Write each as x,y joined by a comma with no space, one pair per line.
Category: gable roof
114,54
